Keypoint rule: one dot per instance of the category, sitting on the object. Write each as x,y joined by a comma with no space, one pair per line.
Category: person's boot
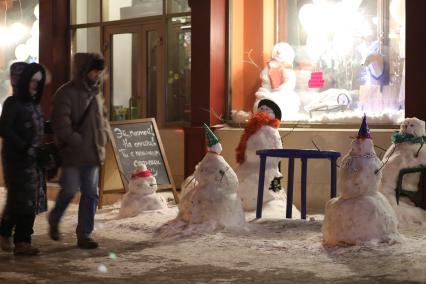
87,243
53,229
22,248
6,243
54,232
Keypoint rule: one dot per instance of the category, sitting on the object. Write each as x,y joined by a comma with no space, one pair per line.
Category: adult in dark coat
22,130
81,127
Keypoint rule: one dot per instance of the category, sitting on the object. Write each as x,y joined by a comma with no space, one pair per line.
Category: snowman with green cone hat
212,199
213,143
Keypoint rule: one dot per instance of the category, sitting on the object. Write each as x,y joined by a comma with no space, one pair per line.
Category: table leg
290,180
303,187
260,187
333,192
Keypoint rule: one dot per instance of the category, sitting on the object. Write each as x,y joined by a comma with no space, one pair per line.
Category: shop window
124,75
178,69
177,6
148,55
85,40
321,61
114,10
19,38
84,11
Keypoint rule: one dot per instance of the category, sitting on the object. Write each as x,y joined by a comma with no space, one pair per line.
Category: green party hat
211,138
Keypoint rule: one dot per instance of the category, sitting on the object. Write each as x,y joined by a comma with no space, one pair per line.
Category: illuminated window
19,37
321,61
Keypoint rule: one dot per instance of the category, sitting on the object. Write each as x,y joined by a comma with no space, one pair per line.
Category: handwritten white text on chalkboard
139,144
120,133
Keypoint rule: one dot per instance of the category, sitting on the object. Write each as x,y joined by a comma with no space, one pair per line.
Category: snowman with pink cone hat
361,214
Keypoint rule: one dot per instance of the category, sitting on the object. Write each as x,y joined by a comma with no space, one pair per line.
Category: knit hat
272,105
364,131
211,138
97,64
141,171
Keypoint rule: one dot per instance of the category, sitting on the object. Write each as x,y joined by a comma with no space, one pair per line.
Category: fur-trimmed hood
81,64
23,92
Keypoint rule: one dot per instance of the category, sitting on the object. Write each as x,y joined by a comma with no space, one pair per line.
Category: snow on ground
269,250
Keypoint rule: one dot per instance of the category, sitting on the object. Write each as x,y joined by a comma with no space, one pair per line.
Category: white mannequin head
283,52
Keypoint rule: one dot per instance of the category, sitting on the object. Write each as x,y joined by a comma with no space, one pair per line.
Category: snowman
406,151
360,214
279,80
142,194
213,200
261,132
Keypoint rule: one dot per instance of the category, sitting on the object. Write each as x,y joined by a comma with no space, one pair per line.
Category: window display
327,60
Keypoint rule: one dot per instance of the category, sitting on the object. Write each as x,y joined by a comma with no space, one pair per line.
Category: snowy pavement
265,251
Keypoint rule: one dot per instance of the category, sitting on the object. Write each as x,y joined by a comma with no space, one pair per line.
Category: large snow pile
407,151
269,251
360,214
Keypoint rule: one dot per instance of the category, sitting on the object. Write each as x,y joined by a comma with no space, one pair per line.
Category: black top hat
275,108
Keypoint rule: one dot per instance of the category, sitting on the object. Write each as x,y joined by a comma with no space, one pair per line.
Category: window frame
164,19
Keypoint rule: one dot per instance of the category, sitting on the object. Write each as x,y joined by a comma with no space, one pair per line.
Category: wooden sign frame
112,166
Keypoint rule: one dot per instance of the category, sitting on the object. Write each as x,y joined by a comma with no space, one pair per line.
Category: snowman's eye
221,172
411,125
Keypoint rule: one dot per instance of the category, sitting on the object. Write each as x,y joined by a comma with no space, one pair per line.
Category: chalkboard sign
137,142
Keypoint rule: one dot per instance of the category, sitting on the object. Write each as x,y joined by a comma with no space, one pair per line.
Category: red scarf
146,173
256,121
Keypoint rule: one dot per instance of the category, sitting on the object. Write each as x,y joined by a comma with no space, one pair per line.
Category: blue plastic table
291,154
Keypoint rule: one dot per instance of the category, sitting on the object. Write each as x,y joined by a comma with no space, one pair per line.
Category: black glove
39,156
48,127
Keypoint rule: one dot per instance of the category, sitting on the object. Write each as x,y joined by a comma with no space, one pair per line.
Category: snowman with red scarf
142,194
261,132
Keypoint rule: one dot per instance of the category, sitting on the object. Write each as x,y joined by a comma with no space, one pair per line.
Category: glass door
134,55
